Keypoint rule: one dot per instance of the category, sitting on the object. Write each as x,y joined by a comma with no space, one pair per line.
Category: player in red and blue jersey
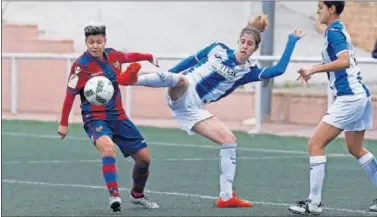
108,124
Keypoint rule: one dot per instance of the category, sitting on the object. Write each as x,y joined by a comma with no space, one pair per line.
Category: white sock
159,79
317,174
227,169
369,164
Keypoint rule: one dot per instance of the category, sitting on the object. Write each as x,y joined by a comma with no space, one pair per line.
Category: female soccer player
351,112
209,75
108,124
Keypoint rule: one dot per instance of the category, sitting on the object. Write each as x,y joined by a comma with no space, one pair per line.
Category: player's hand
298,34
154,61
62,131
305,74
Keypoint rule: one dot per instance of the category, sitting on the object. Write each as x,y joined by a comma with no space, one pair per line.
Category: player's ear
333,9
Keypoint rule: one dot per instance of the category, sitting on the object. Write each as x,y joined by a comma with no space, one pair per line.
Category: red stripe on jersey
98,112
93,67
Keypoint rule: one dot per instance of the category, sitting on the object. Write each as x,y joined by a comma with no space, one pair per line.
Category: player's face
323,12
246,46
95,45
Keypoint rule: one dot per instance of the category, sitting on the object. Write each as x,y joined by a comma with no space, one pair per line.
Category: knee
145,162
142,158
228,138
357,152
106,147
315,147
182,81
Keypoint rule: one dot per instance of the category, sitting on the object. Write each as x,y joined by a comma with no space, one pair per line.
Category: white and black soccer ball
98,90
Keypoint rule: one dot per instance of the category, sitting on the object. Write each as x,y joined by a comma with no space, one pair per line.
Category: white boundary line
49,136
171,193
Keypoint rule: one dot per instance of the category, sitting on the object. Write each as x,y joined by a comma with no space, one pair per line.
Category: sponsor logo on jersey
222,69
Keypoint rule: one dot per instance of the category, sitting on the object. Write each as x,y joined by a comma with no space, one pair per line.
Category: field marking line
171,193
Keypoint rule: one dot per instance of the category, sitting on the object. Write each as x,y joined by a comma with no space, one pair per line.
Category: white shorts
188,109
350,113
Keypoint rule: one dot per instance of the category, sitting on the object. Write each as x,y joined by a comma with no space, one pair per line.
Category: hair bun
259,22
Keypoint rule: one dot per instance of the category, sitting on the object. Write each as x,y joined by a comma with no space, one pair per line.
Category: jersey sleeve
193,59
76,81
258,74
134,57
337,41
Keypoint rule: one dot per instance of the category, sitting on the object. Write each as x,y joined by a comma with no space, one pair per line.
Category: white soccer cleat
373,208
114,203
145,201
305,207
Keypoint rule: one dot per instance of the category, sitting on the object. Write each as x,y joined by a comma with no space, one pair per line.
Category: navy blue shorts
123,132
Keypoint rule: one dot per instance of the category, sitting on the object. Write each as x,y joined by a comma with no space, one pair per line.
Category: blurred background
170,31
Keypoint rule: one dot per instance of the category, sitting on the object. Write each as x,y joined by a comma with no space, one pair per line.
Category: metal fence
71,57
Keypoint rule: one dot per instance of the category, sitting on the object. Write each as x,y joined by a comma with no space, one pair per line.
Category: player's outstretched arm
193,59
130,75
282,64
137,57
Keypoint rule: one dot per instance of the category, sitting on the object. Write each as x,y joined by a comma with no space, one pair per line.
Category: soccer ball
98,90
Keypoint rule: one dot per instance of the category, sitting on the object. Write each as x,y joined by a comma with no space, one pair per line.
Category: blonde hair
255,26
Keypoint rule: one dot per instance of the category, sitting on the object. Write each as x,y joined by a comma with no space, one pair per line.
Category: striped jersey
85,67
216,73
343,82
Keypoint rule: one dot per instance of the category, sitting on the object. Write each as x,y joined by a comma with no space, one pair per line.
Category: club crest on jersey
116,64
78,69
99,129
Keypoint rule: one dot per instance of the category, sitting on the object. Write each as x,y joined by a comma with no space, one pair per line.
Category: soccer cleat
144,201
114,203
373,208
306,207
233,202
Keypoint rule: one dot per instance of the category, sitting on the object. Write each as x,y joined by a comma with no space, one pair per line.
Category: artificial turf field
45,176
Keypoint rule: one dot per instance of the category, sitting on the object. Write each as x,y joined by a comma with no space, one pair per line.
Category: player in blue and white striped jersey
351,111
208,76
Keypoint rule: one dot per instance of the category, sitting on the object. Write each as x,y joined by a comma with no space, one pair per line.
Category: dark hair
95,29
255,27
339,5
